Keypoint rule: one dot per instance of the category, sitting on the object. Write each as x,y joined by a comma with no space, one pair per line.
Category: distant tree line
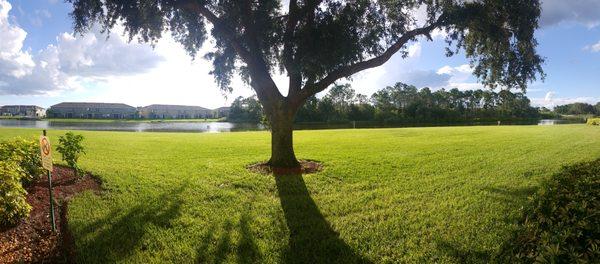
578,109
399,103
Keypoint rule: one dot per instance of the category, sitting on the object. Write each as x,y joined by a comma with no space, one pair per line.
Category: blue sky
42,62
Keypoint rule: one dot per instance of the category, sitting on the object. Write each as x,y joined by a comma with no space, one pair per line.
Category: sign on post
46,153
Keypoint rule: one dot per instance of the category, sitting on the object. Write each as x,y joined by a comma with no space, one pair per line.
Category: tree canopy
317,42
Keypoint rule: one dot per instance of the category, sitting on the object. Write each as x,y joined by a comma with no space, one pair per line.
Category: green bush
71,149
594,121
26,154
562,225
13,203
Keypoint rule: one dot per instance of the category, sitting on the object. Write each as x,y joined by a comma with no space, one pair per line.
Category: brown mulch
306,167
32,240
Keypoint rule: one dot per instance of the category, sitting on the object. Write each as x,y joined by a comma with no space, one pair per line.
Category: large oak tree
316,42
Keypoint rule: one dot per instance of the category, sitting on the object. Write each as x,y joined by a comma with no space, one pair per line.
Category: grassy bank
445,194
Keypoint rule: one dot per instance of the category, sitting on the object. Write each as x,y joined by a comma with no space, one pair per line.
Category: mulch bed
32,240
306,167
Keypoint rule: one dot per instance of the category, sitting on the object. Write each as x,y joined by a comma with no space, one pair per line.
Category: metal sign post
47,164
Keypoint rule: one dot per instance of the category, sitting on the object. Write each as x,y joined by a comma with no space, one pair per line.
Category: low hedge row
594,121
19,165
562,224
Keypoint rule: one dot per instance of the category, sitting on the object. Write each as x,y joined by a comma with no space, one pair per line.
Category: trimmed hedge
594,121
562,225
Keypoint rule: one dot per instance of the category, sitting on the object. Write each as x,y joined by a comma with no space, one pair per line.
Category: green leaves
562,225
71,149
19,165
314,39
26,154
13,204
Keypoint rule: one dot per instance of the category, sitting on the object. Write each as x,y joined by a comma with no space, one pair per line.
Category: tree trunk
282,144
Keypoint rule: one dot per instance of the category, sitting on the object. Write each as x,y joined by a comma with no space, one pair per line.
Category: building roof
21,106
90,105
175,107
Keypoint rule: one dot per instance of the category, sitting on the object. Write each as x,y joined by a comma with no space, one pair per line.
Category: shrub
594,121
26,154
562,225
13,203
71,149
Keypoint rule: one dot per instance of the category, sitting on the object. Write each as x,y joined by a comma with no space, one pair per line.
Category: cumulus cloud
93,55
429,78
593,47
61,66
414,50
586,12
461,77
14,62
550,100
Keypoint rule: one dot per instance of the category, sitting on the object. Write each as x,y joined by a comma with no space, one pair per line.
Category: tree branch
263,84
295,15
219,25
313,88
295,79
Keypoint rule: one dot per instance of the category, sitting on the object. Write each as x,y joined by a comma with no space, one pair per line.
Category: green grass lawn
444,194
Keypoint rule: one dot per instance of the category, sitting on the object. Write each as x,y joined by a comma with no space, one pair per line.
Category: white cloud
550,100
93,55
414,50
593,47
176,80
549,96
429,78
460,77
14,62
66,64
586,12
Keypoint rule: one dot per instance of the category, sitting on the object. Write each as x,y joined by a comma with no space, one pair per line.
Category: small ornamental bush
26,154
13,203
594,121
562,225
71,149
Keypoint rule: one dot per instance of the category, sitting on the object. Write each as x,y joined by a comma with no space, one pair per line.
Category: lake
218,127
133,126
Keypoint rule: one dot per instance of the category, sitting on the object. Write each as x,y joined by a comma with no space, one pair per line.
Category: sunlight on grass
449,194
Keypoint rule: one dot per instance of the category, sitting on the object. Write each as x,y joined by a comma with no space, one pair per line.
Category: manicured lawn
446,194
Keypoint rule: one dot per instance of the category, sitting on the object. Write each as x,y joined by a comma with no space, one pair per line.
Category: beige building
157,111
92,110
33,111
221,112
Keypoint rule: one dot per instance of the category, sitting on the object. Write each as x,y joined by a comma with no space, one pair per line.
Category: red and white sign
46,153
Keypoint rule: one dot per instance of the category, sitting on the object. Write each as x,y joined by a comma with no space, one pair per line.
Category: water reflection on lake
133,126
217,127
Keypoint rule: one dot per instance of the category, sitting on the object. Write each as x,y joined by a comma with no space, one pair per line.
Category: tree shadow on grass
509,196
312,239
244,249
116,236
461,255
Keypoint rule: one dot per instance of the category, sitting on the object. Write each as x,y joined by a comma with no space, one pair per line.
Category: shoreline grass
436,194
